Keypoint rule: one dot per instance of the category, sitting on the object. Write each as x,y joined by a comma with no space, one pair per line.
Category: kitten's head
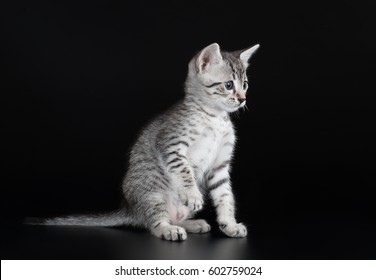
219,78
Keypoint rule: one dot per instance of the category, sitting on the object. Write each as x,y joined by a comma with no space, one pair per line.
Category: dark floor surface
318,236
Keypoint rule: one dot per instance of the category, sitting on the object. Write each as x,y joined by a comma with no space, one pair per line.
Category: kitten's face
222,77
226,84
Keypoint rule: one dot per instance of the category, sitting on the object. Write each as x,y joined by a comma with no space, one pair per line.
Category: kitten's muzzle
241,103
241,100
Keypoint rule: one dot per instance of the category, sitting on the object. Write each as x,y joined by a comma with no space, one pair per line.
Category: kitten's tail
111,219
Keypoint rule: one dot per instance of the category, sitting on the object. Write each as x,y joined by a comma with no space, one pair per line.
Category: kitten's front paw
233,229
196,226
192,199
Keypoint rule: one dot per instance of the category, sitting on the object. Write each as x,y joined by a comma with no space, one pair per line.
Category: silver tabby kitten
183,154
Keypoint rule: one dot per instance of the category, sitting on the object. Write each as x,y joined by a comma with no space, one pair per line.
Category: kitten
184,154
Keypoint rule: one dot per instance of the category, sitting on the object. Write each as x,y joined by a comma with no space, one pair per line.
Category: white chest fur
204,152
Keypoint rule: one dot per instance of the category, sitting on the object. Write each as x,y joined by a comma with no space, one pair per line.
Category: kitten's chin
234,108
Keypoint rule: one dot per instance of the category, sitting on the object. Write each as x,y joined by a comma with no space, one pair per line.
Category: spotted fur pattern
184,154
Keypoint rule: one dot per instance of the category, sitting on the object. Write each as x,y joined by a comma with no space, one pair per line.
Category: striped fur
184,154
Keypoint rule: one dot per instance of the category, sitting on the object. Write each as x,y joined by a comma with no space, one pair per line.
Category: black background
79,80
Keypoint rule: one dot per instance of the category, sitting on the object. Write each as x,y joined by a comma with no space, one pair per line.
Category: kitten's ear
209,56
246,54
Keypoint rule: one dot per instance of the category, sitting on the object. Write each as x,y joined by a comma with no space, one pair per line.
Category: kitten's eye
229,85
245,85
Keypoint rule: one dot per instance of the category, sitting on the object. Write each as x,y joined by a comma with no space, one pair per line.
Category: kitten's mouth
242,104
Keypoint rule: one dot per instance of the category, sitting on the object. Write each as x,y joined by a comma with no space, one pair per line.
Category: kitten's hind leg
159,221
165,230
196,226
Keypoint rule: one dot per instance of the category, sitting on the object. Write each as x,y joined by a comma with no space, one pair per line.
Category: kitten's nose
241,100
